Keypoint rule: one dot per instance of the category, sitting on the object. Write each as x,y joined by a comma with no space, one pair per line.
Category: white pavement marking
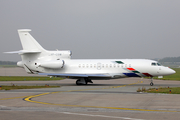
125,118
2,106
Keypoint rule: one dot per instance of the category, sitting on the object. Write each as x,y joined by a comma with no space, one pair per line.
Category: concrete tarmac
104,99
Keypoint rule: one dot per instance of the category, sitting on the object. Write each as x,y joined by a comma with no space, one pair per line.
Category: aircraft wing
76,75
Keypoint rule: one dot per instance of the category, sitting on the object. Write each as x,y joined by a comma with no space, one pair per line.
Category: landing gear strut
83,81
151,84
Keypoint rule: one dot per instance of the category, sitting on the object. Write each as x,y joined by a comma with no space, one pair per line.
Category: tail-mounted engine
66,54
52,64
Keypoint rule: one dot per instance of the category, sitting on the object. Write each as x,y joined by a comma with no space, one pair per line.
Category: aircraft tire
77,82
151,84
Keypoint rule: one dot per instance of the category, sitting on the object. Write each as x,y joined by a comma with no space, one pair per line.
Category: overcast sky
94,28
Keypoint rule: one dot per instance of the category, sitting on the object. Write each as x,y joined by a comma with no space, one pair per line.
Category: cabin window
114,65
79,65
91,65
110,65
102,65
94,65
107,65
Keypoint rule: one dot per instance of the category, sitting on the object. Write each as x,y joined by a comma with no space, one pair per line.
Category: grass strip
173,90
27,78
4,87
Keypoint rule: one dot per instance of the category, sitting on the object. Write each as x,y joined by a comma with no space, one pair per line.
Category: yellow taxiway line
29,99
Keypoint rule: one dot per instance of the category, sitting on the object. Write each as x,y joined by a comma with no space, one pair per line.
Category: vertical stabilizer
28,42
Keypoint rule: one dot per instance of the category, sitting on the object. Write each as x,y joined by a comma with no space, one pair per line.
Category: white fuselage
35,59
116,68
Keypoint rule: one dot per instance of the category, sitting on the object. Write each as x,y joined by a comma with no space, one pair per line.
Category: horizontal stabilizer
76,75
24,51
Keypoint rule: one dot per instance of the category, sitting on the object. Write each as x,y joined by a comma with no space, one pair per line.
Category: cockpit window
158,64
153,64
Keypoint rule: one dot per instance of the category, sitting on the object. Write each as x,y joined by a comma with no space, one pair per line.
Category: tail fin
28,42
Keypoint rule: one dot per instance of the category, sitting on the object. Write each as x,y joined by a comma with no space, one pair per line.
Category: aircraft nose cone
167,71
171,71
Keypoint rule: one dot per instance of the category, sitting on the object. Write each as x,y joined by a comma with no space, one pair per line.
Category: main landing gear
151,84
83,81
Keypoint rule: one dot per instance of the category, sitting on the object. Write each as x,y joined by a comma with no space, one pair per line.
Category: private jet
37,60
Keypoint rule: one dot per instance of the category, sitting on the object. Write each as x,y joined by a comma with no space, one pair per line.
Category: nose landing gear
151,84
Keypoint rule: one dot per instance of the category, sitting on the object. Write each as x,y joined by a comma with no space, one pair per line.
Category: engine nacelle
52,64
66,54
20,64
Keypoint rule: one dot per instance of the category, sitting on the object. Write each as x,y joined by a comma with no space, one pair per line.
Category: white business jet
37,60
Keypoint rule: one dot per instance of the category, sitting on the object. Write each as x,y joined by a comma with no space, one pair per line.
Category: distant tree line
7,63
170,59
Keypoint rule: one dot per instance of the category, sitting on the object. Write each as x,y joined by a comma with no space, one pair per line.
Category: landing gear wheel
77,82
151,84
87,80
81,81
